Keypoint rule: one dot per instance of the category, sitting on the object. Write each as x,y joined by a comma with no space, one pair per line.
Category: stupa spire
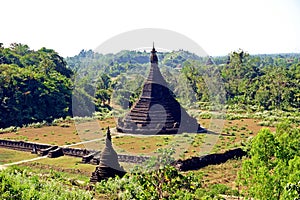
108,135
153,57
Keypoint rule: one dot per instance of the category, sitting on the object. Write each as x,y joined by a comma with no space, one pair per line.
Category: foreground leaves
21,184
273,171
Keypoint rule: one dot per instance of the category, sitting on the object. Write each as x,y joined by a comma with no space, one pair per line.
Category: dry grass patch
62,135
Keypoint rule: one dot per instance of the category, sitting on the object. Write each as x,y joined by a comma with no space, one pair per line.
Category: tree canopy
41,85
274,164
34,85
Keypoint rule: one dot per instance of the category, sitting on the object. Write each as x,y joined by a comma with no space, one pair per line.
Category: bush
20,184
38,124
274,163
9,129
156,179
64,125
265,123
205,115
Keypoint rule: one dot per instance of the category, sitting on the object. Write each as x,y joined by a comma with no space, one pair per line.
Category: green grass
9,156
66,162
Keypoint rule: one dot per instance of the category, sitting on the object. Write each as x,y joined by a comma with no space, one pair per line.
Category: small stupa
157,111
109,165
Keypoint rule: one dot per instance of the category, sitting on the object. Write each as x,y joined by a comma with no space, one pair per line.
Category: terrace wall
93,156
195,163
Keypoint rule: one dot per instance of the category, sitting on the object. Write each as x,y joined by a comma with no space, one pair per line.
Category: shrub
9,129
265,123
205,115
64,125
38,124
19,184
274,163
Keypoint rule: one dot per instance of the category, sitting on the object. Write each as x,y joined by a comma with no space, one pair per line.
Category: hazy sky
218,26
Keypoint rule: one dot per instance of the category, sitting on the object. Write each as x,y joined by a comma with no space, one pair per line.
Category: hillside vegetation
34,86
38,85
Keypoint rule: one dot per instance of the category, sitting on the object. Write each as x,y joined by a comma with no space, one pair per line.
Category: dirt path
83,142
2,167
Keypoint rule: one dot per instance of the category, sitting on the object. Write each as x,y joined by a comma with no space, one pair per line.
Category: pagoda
157,111
109,165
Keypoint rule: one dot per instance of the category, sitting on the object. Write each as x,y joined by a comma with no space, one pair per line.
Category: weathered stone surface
23,146
77,152
195,163
42,149
56,153
109,165
88,158
157,111
44,152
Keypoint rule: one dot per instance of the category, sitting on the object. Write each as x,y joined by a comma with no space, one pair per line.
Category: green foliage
157,179
268,82
9,129
34,86
274,164
294,190
254,83
16,183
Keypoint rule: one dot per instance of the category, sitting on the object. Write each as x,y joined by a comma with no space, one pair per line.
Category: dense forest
34,85
41,85
249,82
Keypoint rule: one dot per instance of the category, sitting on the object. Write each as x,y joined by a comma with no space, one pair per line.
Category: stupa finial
108,135
153,57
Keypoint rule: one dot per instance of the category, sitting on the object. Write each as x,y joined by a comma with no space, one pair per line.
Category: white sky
218,26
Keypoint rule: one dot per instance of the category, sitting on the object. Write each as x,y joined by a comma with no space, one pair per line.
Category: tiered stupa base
103,172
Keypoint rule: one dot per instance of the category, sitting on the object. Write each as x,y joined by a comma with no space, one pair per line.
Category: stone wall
132,159
195,163
88,156
43,149
77,152
23,146
93,156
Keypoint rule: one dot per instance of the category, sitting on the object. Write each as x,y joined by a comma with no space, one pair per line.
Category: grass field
233,133
72,168
10,156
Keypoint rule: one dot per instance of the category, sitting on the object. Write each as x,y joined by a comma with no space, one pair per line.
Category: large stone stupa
157,111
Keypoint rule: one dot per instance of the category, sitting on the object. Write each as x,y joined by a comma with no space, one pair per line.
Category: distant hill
114,64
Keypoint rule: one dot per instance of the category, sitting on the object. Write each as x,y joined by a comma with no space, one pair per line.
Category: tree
33,87
20,49
102,97
103,91
274,164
